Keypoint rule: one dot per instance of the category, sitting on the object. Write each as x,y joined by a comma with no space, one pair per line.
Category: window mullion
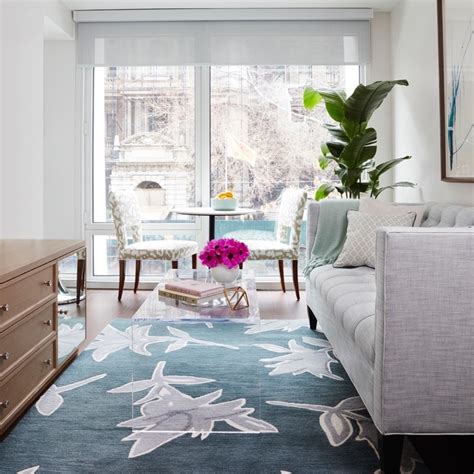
203,127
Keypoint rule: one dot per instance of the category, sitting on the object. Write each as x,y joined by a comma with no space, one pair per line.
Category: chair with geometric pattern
127,218
286,242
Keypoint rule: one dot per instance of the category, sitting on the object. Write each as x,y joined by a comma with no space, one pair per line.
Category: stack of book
192,292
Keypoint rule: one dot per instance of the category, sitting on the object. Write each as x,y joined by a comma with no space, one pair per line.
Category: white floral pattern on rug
176,414
137,339
52,398
298,359
180,339
30,470
69,337
337,424
276,325
157,382
111,339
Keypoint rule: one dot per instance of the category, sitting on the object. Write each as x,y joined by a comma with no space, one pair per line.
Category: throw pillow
381,208
359,247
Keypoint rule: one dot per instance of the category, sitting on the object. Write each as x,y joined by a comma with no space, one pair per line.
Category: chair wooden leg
194,261
83,287
121,278
295,278
80,277
174,264
390,451
138,265
281,268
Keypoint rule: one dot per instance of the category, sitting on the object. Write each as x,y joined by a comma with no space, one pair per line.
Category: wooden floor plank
103,306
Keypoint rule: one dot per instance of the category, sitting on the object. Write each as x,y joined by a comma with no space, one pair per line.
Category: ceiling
379,5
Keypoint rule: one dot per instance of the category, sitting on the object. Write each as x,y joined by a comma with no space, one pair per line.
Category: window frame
202,143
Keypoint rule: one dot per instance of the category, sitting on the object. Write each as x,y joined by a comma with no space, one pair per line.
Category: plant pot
223,275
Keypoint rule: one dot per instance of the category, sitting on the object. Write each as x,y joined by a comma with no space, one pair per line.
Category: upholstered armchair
127,218
285,244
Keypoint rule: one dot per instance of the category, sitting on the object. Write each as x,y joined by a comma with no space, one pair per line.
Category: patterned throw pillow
359,247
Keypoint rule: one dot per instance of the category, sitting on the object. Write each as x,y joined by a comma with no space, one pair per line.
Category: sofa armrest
311,225
424,331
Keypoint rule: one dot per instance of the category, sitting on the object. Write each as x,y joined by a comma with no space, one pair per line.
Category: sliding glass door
177,135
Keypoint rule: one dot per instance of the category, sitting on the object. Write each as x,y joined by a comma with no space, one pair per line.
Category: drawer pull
4,307
48,283
48,322
63,311
49,361
4,404
5,356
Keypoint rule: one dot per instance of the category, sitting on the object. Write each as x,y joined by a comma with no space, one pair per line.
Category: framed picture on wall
456,71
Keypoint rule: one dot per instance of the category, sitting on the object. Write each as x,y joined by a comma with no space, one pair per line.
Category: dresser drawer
24,382
18,341
24,293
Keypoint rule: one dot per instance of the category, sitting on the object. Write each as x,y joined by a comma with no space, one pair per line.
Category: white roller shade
163,43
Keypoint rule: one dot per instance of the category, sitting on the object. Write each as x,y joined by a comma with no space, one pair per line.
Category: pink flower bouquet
227,252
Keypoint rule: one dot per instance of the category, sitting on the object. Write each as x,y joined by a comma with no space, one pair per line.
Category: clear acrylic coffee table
160,308
183,354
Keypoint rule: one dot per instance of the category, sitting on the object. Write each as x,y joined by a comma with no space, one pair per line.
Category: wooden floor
103,306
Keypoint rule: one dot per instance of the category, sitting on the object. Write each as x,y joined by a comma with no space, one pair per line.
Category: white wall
62,210
380,70
416,108
22,179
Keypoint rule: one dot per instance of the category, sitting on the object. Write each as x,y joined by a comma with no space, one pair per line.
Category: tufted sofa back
447,215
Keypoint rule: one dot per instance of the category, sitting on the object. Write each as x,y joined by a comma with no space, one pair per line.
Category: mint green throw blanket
331,232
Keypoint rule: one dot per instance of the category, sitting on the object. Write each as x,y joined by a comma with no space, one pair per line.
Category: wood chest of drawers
29,353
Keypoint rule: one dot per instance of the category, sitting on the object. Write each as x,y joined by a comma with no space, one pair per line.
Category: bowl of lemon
225,201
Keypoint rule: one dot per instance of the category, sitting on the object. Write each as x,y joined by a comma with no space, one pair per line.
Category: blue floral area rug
205,398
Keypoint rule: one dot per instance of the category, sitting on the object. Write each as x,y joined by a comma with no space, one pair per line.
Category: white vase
223,275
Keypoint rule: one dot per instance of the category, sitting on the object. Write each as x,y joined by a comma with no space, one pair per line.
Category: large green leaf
323,191
367,99
382,168
337,132
335,148
353,128
323,162
360,150
311,98
401,184
335,103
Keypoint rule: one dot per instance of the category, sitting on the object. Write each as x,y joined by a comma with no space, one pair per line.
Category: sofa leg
312,319
390,452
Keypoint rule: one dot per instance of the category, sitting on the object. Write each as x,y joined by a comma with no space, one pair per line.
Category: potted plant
223,257
353,146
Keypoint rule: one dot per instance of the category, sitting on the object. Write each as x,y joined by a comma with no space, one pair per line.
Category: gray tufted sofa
404,332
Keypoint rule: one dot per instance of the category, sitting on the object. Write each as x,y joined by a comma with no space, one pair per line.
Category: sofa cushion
349,294
377,207
448,215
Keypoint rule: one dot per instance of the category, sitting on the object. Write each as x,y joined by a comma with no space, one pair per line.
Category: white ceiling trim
224,14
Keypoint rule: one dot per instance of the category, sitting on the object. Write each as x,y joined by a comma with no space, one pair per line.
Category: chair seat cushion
160,250
349,294
270,250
